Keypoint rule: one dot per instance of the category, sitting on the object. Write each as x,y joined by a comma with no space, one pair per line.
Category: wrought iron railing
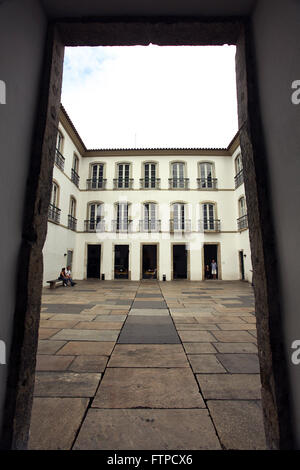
150,225
209,225
122,225
239,178
242,222
96,183
179,183
59,160
207,183
150,183
180,225
54,213
94,225
123,183
72,222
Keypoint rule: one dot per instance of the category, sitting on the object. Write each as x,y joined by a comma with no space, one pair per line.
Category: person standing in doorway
214,269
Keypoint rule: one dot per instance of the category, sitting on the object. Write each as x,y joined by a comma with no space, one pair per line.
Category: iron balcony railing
72,222
180,225
242,222
239,178
209,225
179,183
94,225
207,183
150,225
123,183
54,213
122,225
150,183
59,160
75,177
96,183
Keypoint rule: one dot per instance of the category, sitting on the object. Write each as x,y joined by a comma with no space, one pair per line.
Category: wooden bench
54,282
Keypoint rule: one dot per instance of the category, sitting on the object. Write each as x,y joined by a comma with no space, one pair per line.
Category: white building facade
146,213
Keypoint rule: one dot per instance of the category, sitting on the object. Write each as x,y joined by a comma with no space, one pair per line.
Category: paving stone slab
76,316
46,346
239,424
87,348
227,386
58,324
205,364
195,327
148,304
152,355
110,318
148,330
46,333
149,311
233,336
199,348
88,364
65,384
87,335
240,363
55,422
147,430
98,325
148,388
237,326
52,362
236,348
67,308
195,336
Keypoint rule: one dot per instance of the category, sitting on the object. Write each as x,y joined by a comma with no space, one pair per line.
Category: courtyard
147,365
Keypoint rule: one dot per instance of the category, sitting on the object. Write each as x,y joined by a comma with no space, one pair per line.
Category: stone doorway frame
142,31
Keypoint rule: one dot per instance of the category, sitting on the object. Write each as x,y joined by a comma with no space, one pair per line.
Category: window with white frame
149,222
178,179
150,173
95,216
178,220
123,176
206,171
209,221
122,220
97,176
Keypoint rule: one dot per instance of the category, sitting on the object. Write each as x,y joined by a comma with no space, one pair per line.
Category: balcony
59,160
123,183
180,225
150,225
207,183
150,183
93,225
242,222
209,225
239,179
74,177
72,223
54,213
179,183
124,226
96,183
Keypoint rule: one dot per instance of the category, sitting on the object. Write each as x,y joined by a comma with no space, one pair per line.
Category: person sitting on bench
63,277
68,275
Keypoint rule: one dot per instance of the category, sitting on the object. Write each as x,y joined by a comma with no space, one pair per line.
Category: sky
151,96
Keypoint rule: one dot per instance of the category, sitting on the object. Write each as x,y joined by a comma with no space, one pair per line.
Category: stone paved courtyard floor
147,365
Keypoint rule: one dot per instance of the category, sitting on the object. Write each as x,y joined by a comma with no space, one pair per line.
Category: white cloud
153,96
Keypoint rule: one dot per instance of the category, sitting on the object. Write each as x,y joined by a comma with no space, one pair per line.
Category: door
179,262
242,267
70,258
93,261
210,254
149,261
121,261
